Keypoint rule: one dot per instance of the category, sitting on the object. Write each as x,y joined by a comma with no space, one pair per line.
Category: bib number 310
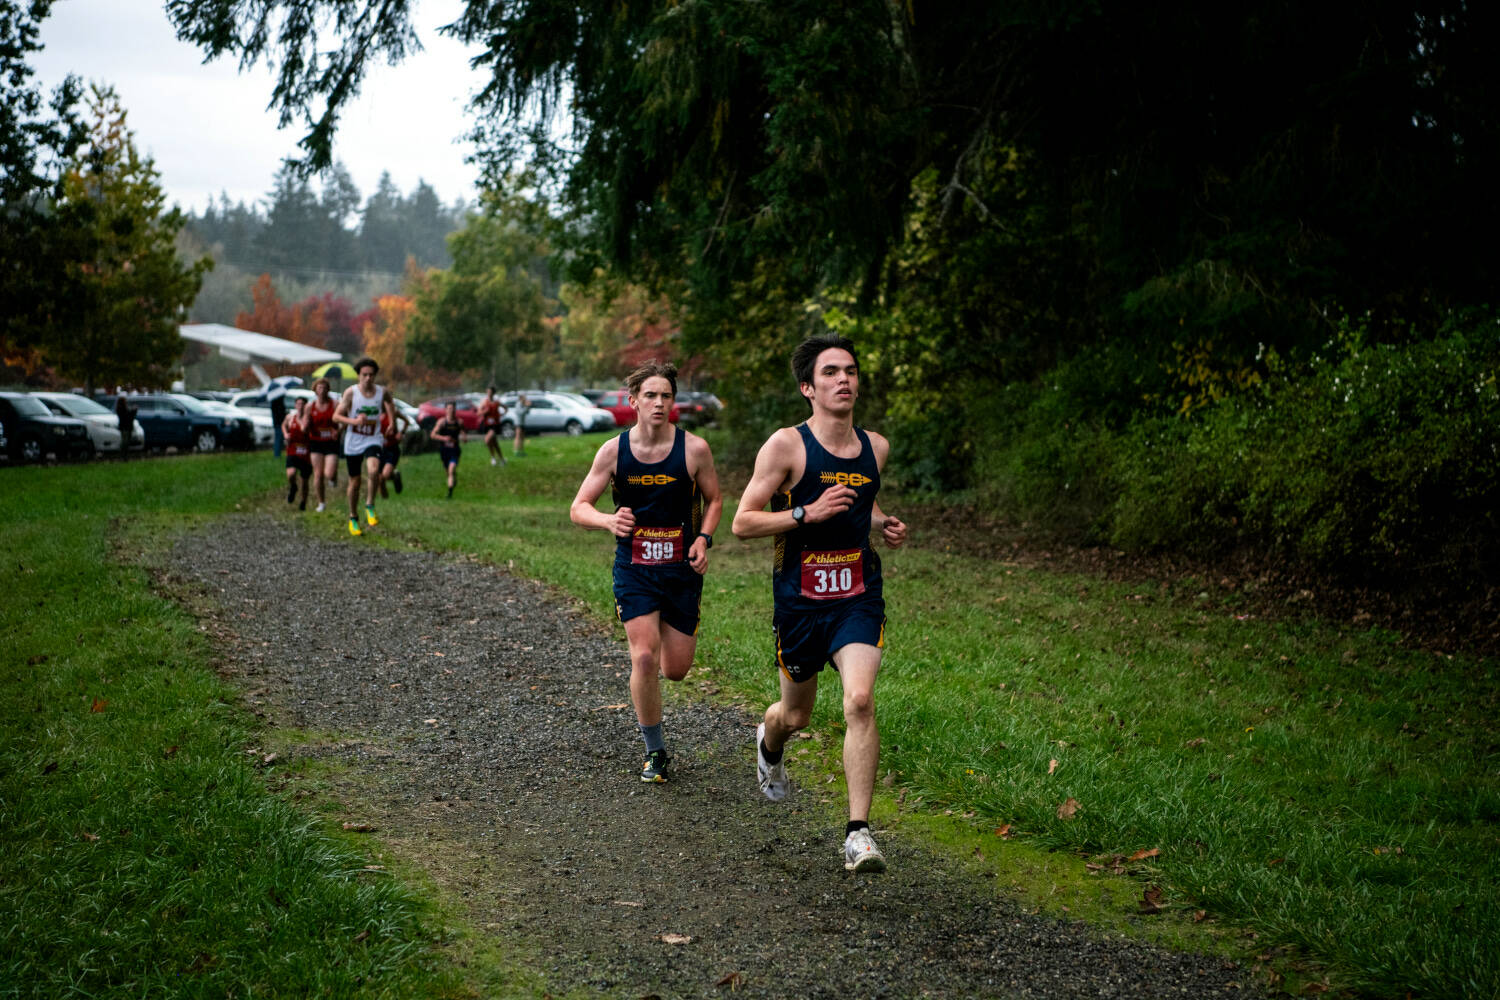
832,574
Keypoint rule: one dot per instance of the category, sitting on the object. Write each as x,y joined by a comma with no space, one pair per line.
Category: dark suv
34,432
182,422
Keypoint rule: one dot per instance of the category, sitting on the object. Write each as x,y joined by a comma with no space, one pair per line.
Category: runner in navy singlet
667,505
820,481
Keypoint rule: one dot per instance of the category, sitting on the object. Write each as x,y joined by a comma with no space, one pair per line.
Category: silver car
102,423
554,411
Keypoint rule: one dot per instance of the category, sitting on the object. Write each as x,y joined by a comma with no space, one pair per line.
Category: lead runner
820,479
667,505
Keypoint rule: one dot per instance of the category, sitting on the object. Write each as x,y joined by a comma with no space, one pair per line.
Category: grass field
1287,787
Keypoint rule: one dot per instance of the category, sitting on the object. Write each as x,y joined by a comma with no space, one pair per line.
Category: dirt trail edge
491,717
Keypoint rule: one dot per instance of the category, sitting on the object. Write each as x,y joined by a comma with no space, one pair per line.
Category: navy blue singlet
667,505
832,560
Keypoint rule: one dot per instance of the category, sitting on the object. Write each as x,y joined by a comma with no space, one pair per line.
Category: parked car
699,409
243,431
617,402
34,431
103,424
468,411
555,411
181,422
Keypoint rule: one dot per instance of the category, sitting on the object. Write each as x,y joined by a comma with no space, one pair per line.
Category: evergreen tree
123,291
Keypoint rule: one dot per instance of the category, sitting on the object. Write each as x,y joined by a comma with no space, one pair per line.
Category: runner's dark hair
651,369
806,355
367,360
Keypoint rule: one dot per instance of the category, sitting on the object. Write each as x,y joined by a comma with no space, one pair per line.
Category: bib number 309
832,574
656,546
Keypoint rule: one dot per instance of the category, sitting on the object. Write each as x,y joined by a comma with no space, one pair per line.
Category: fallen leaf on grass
676,938
611,708
40,658
90,837
732,981
1143,855
360,827
170,751
1312,988
1052,765
98,705
270,759
1199,916
1068,808
1194,744
1003,832
361,936
1151,899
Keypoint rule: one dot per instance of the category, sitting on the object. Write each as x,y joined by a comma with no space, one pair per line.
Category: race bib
832,574
656,546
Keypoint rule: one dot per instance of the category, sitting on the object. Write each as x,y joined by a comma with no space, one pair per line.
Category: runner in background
449,435
298,458
390,448
323,441
359,410
490,410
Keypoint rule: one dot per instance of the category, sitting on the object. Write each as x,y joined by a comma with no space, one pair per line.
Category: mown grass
140,852
1322,786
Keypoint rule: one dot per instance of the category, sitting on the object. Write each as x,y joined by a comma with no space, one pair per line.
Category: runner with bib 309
820,480
667,505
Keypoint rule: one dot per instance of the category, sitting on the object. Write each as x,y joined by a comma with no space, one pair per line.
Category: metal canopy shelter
256,348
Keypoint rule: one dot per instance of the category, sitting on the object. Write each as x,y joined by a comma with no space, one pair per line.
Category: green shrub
1369,460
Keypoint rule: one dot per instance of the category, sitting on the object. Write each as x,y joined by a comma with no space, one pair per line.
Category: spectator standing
276,396
125,413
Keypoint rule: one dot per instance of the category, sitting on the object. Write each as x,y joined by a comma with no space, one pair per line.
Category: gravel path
489,715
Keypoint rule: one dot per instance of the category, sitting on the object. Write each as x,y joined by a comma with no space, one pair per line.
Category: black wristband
707,539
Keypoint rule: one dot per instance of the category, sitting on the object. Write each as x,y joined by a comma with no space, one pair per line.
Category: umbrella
336,369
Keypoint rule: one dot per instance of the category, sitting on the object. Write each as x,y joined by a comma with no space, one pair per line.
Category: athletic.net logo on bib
831,574
656,546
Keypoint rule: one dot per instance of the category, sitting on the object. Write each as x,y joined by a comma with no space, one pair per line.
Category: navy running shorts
807,640
676,591
390,455
323,447
356,463
448,455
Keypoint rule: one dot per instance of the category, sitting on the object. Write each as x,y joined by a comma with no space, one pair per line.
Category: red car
617,401
468,412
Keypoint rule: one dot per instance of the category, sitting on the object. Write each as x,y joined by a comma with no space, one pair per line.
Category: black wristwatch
708,540
799,513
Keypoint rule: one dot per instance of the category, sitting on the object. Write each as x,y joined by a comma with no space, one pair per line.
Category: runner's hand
698,556
835,500
893,531
624,522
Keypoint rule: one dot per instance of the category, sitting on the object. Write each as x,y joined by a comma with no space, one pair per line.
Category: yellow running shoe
354,527
370,517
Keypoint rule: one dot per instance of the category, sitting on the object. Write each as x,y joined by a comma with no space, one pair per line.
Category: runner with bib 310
820,480
667,505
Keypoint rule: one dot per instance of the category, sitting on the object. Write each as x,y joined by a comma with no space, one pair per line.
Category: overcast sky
207,126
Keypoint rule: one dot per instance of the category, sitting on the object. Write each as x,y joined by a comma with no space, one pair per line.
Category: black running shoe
396,480
654,771
291,491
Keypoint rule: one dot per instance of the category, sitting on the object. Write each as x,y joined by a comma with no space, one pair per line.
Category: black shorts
807,640
301,463
356,463
390,455
676,591
486,428
448,455
323,447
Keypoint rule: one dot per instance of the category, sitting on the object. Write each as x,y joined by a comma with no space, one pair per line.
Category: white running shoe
773,777
320,508
494,461
861,854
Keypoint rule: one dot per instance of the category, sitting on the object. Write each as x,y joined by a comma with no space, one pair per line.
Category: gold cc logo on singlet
659,479
846,478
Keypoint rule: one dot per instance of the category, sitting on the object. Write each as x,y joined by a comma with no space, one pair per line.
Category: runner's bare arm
891,528
583,512
778,464
701,468
341,412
